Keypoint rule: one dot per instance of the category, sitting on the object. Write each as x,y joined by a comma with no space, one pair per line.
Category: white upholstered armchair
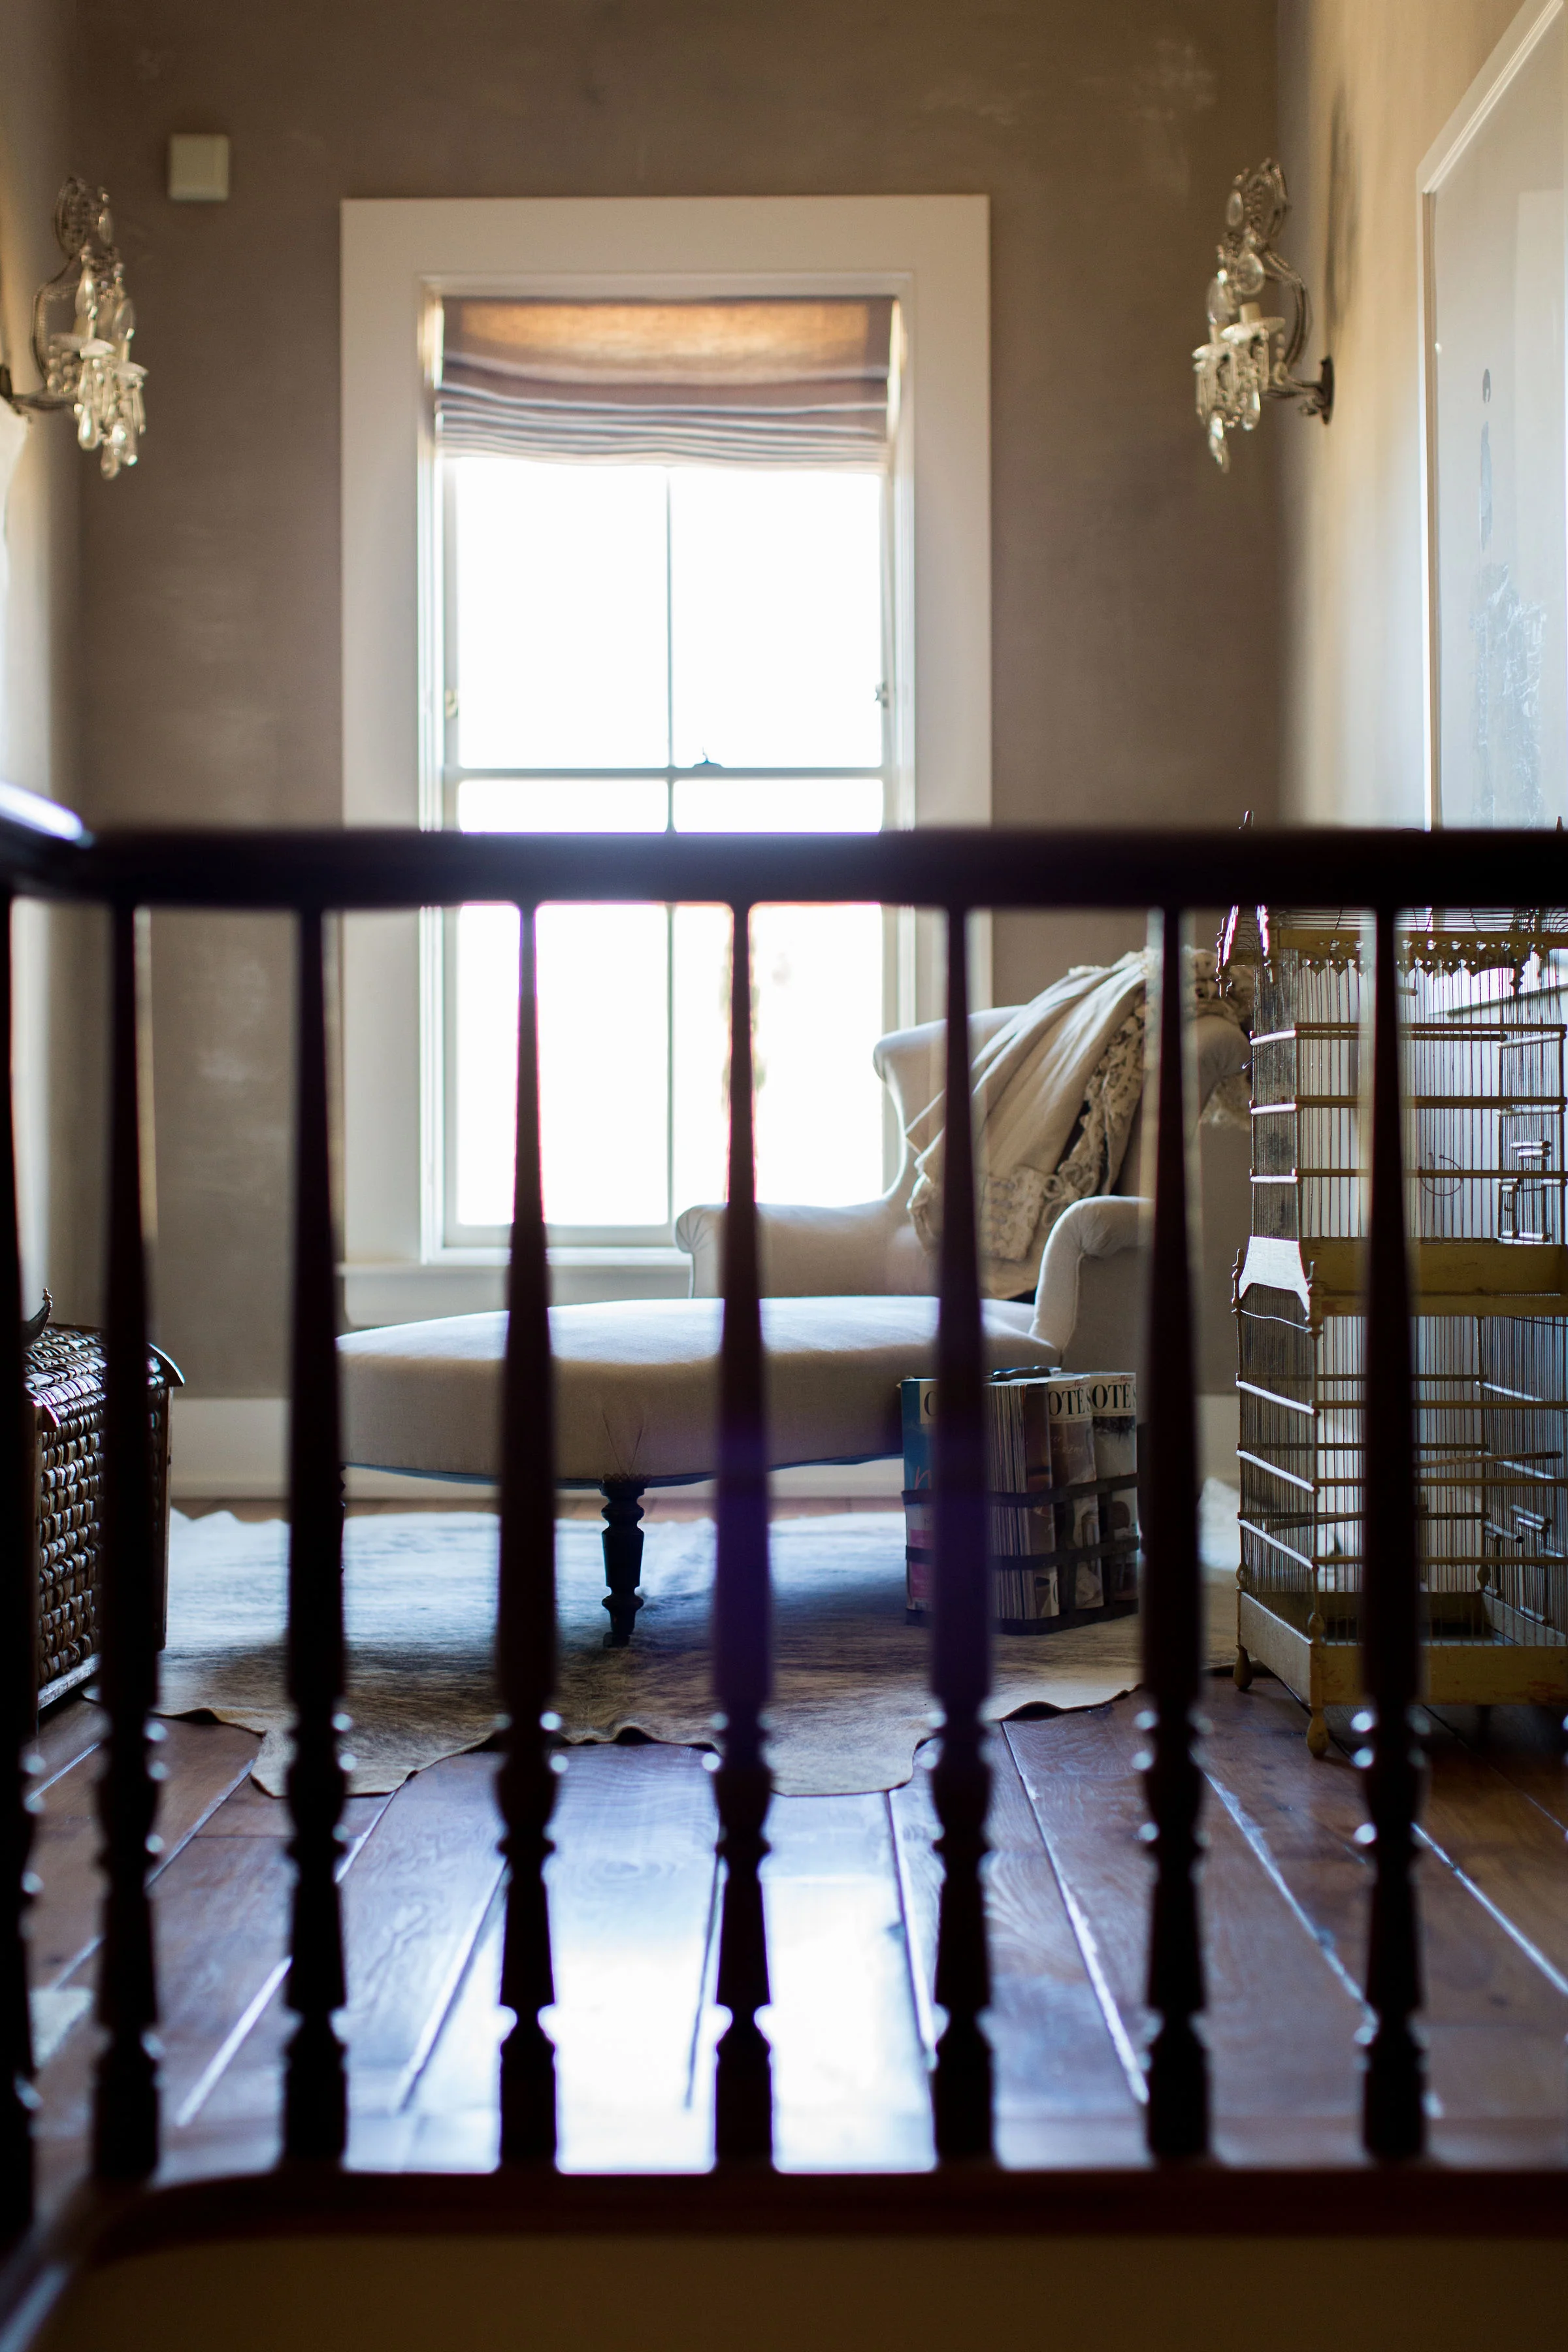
1088,1296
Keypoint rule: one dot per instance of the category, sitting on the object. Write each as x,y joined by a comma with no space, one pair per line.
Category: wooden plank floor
852,1887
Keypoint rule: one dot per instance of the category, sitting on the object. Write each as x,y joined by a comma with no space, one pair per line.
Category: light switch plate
198,168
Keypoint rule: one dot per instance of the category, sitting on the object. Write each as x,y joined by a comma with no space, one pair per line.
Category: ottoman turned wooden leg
623,1557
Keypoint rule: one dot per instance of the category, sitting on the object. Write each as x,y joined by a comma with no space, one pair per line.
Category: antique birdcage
1483,1013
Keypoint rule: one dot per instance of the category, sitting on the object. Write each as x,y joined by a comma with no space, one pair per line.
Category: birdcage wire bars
1484,999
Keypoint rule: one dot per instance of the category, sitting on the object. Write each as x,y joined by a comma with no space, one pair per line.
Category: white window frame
398,255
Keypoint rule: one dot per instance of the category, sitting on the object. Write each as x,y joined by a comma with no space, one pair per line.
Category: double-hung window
666,592
657,514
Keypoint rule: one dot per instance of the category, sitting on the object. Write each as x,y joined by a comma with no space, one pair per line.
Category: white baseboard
821,1482
230,1446
235,1449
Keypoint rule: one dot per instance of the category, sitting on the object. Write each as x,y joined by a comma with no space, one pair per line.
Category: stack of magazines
1061,1470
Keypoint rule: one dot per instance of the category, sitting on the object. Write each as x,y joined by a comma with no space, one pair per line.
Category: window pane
818,981
700,1075
561,805
485,1041
796,804
776,583
603,1038
561,619
816,986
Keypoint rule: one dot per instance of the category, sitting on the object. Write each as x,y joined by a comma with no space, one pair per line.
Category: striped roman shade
793,382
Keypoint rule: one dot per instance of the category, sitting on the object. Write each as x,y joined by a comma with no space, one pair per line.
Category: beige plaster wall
1365,86
1135,593
37,636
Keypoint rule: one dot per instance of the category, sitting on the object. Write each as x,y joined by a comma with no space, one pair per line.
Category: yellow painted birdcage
1484,1004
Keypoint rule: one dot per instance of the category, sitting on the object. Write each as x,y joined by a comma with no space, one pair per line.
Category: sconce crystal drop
1248,357
83,321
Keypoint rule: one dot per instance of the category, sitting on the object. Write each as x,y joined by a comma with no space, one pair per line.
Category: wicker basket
65,1380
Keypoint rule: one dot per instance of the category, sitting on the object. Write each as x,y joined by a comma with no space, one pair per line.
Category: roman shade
788,381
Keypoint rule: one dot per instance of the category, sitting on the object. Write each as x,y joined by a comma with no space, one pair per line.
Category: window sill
473,1282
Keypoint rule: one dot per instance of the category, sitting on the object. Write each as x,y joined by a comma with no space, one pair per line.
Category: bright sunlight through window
632,648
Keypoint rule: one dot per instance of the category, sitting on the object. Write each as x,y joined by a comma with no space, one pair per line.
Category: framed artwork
1492,195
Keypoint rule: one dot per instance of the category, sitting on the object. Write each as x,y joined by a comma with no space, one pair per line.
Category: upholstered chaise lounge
847,1313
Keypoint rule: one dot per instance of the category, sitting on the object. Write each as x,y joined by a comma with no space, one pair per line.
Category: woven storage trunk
65,1380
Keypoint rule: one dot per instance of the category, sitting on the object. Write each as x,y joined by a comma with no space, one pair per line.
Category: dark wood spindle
1394,2090
960,1640
1177,2066
526,1631
315,2098
742,2118
125,2117
17,1637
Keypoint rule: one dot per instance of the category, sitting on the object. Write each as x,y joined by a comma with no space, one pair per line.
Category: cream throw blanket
1071,1059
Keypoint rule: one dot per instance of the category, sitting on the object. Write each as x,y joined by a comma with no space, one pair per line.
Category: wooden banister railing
1395,2104
1178,2108
743,1671
315,2086
125,2112
960,1634
525,1632
313,875
16,1644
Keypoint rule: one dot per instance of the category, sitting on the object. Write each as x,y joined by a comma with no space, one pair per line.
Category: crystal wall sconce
1249,359
83,325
